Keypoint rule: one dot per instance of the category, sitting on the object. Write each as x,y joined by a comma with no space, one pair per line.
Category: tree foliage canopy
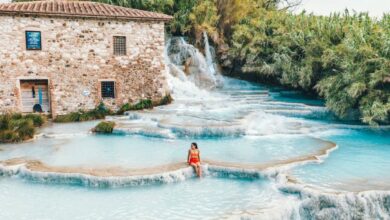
344,58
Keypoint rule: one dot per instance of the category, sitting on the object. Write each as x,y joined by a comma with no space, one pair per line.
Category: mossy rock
104,127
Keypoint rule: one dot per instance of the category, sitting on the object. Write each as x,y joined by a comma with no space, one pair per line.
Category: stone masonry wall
76,55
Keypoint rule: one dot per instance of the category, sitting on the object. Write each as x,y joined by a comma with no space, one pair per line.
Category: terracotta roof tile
87,9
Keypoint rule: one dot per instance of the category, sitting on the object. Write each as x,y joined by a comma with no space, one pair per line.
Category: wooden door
35,92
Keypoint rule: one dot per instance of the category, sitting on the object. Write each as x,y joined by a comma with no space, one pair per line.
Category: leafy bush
18,127
145,104
4,121
99,112
9,136
142,104
38,120
178,8
166,100
105,127
16,116
343,58
24,127
71,117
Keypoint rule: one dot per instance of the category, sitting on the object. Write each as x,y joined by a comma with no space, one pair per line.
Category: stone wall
76,55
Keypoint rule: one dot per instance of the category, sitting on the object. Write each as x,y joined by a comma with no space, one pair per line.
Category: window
108,89
33,40
119,45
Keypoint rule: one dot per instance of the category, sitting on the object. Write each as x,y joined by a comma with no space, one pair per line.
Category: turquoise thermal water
138,151
234,122
361,160
360,163
209,198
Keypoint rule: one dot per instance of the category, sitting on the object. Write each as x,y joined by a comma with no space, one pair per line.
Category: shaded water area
267,153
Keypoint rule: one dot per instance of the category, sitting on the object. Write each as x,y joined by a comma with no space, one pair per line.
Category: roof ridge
80,9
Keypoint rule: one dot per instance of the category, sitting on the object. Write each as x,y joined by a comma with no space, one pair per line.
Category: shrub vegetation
343,58
145,104
98,113
142,104
165,100
18,127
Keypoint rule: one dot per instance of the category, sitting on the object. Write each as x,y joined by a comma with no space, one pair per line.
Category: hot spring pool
137,151
267,153
360,163
209,198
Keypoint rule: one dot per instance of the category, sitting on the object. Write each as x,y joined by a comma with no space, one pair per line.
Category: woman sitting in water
194,158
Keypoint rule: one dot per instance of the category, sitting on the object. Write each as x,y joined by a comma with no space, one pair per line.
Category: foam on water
120,178
317,204
210,198
91,180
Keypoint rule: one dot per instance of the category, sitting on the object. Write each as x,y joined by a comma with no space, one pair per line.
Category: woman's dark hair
195,145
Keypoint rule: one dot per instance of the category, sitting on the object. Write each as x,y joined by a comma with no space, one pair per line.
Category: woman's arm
199,155
188,157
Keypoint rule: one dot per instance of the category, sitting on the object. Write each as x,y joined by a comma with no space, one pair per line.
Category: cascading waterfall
180,85
210,59
186,62
207,49
315,204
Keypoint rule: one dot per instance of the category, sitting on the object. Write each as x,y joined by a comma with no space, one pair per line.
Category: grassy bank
144,104
18,127
101,111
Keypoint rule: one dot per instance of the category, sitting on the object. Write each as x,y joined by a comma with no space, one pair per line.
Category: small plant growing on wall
167,99
145,104
99,112
142,104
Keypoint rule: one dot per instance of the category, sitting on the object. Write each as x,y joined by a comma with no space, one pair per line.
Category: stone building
65,56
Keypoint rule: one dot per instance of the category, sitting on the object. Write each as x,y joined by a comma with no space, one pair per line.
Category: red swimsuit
194,157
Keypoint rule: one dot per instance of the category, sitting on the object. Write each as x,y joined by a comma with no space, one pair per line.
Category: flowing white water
187,63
